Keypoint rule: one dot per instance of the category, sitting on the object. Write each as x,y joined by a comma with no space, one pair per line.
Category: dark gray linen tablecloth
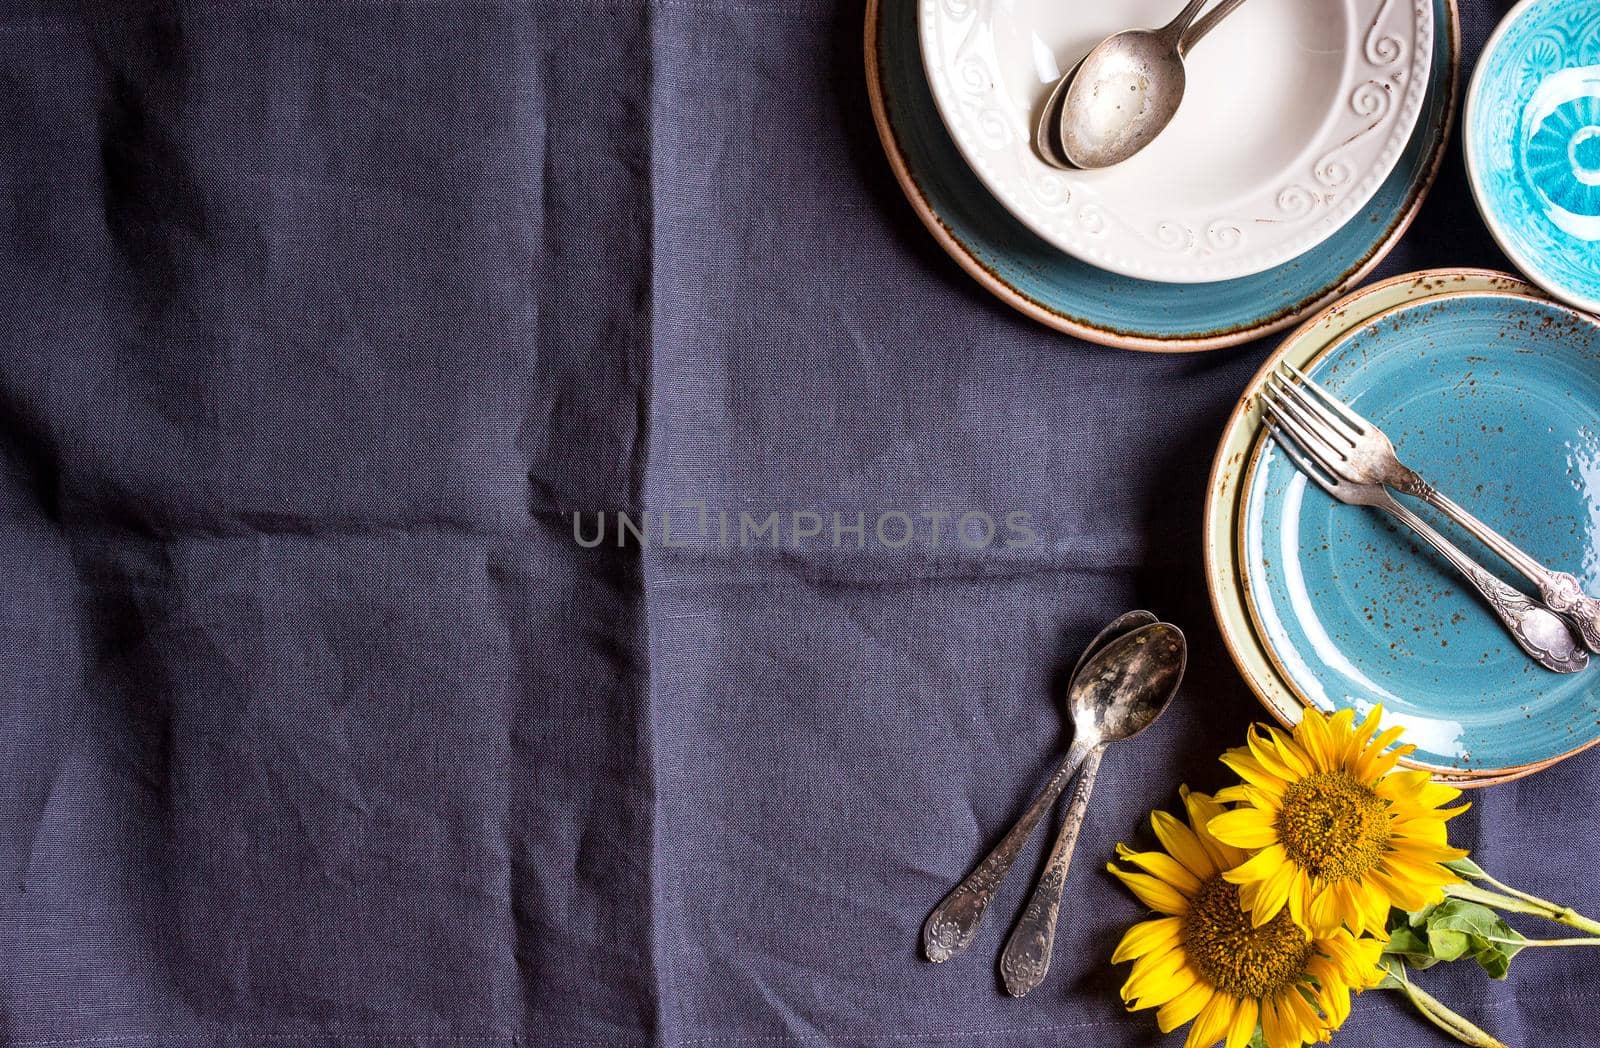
321,727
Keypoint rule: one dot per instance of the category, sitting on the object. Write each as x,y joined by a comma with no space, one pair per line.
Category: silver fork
1536,629
1364,454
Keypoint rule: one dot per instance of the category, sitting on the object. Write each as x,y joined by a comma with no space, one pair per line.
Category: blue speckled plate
1495,398
1533,144
1073,296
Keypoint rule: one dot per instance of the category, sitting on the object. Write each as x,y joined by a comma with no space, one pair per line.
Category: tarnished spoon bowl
1126,91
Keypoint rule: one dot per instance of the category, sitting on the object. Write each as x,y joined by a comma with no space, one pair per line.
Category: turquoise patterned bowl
1533,144
1495,398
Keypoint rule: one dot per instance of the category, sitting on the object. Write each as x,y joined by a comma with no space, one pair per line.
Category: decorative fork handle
1562,593
953,924
1026,958
1536,629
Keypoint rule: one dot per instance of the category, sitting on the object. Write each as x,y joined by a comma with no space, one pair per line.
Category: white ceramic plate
1296,111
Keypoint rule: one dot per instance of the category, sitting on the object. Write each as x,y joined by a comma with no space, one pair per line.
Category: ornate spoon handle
953,924
1536,629
1026,958
1199,29
1562,592
1179,26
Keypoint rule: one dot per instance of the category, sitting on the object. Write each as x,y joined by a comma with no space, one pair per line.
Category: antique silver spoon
1126,695
953,924
1124,93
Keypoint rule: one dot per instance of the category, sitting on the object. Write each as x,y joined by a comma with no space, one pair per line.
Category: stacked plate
1493,393
1309,134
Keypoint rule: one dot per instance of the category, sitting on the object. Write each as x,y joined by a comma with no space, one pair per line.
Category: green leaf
1449,945
1259,1039
1470,917
1407,945
1467,868
1457,928
1495,960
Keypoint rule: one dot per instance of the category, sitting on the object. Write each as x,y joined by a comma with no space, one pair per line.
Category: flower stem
1513,901
1545,942
1457,1026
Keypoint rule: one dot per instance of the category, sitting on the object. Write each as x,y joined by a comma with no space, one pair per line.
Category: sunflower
1207,962
1338,835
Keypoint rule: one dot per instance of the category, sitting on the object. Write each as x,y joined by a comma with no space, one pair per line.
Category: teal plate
1075,297
1495,399
1533,144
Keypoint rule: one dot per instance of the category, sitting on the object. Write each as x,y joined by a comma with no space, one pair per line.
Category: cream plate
1296,111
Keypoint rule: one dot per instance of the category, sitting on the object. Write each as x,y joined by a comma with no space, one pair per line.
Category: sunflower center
1333,826
1237,959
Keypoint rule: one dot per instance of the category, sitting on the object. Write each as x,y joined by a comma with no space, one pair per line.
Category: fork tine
1327,420
1302,436
1291,447
1305,428
1348,413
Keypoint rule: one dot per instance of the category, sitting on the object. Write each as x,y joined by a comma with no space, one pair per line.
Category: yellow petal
1351,896
1402,894
1374,904
1238,793
1183,844
1211,1025
1252,770
1420,865
1184,1007
1341,732
1148,937
1243,1023
1323,914
1428,828
1158,979
1277,1033
1272,894
1367,972
1387,737
1312,735
1202,808
1434,794
1361,738
1263,750
1167,869
1401,785
1379,758
1158,895
1335,1000
1290,753
1299,892
1247,828
1300,1016
1260,867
